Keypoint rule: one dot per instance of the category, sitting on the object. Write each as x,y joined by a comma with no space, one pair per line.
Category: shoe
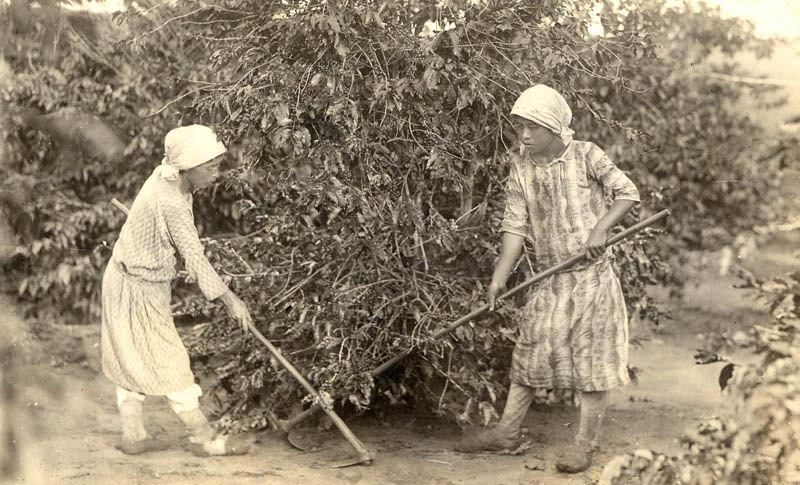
575,459
221,445
490,440
142,446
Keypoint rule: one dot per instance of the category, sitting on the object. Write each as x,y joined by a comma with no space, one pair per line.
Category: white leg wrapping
186,399
130,411
124,394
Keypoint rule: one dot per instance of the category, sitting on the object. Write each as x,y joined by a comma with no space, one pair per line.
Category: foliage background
362,208
757,442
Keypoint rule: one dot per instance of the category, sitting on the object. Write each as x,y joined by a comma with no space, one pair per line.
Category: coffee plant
362,208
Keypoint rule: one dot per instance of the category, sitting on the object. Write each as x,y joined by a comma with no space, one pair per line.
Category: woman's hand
495,289
596,244
237,309
512,246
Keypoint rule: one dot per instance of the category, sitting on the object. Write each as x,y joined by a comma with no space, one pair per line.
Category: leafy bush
370,189
376,167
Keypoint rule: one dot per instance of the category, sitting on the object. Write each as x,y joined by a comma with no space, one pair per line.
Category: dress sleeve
613,180
515,219
183,233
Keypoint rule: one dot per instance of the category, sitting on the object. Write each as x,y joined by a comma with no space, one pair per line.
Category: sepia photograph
390,242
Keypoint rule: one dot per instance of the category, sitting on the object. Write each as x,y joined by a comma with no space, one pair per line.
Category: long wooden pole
364,455
290,423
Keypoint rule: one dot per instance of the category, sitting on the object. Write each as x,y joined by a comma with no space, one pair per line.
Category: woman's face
535,137
205,175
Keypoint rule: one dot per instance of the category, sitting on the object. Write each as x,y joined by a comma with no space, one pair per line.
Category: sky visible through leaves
771,18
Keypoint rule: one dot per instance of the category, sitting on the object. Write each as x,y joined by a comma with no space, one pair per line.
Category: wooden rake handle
364,454
290,423
119,205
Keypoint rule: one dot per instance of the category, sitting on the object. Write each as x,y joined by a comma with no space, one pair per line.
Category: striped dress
574,330
142,351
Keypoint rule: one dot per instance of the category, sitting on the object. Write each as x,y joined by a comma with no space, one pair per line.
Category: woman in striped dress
142,352
574,332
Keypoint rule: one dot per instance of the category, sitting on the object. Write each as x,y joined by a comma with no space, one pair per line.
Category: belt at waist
125,272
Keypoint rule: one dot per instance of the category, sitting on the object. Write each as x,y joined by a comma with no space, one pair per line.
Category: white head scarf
187,147
545,106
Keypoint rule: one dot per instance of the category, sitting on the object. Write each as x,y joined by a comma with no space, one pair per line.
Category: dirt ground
67,420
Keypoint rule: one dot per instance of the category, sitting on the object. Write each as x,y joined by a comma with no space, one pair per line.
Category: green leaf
342,49
281,114
334,23
64,274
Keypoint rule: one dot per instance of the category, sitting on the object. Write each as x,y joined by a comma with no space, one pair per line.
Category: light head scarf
545,106
187,147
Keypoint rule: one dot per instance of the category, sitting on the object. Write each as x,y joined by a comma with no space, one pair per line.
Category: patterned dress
574,333
142,351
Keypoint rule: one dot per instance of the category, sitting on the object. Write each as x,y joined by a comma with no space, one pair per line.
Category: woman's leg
130,411
506,434
186,405
577,457
519,400
135,439
592,412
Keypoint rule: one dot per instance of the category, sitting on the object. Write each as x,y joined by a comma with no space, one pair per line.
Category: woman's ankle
590,445
196,423
506,432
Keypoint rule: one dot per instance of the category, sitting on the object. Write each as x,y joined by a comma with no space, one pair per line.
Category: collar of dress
568,153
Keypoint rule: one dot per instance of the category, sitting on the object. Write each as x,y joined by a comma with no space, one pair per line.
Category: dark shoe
490,440
237,444
142,446
576,458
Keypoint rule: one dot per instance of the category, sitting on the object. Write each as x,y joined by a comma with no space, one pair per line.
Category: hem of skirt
561,384
147,391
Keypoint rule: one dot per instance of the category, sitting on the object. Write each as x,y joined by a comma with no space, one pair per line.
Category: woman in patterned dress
142,352
574,332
